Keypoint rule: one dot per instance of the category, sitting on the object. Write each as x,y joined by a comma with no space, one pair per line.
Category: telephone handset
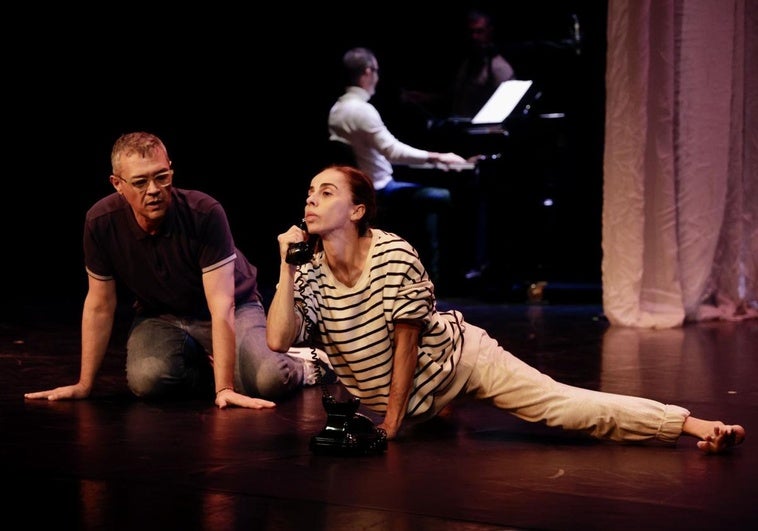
346,432
301,253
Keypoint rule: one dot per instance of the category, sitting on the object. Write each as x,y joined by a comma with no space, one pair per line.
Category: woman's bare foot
715,436
723,439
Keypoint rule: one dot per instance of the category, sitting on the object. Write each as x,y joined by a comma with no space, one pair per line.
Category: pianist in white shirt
356,122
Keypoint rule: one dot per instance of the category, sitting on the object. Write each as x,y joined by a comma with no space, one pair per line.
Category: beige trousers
508,383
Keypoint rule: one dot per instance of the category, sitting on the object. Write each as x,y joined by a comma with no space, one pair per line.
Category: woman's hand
391,431
294,235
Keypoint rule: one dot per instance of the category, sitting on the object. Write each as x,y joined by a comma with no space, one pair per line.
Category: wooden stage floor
116,463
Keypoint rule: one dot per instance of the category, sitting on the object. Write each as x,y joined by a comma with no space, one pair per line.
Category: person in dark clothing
199,328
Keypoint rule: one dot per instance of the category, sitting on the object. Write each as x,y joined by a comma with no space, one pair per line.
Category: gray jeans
168,355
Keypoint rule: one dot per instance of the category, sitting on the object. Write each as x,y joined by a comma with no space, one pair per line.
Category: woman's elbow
277,344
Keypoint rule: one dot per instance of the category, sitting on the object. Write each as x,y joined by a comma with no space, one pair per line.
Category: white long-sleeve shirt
354,121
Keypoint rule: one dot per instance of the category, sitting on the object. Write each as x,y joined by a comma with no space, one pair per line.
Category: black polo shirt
164,271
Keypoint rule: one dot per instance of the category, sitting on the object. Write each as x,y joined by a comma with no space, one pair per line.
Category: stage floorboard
115,462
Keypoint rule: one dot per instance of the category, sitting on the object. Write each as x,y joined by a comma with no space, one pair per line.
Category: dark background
240,96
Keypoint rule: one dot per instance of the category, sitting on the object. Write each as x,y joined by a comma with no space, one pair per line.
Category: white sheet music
502,102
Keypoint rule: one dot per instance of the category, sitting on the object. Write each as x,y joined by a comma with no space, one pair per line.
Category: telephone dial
346,432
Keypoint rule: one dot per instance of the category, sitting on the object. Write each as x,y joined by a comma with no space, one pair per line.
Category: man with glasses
200,325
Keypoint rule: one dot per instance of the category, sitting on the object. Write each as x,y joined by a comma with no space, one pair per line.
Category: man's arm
501,69
219,293
397,152
404,363
97,324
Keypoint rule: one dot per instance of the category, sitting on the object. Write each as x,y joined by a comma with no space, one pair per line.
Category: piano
505,187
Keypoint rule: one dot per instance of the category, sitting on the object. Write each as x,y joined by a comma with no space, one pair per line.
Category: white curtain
680,193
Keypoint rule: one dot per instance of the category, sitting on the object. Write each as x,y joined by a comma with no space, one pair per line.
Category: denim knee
260,371
274,376
163,359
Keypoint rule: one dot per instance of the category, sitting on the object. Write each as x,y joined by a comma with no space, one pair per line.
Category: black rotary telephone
301,253
346,432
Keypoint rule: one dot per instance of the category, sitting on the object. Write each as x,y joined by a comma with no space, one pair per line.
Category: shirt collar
359,92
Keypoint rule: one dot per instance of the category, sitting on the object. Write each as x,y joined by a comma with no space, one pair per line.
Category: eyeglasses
161,179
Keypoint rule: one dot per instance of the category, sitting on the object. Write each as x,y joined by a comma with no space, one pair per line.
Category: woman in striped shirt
367,301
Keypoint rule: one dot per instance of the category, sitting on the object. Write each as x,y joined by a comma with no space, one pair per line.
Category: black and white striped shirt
355,325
